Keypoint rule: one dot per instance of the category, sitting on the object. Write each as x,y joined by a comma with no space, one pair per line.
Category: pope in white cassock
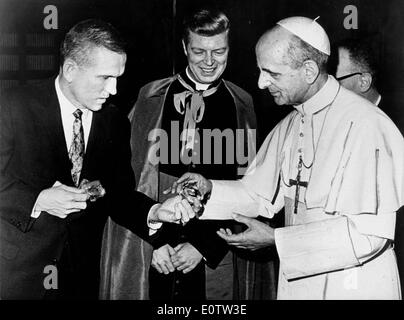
335,163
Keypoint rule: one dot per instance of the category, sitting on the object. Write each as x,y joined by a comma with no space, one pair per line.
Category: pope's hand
258,235
203,185
173,210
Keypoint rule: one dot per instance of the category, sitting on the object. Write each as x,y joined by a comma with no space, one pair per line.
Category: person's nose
209,59
111,86
263,81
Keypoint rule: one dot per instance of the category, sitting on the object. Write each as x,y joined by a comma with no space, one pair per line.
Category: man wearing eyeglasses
357,69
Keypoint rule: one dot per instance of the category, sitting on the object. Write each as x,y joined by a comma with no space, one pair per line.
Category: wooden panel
9,62
40,62
40,40
9,40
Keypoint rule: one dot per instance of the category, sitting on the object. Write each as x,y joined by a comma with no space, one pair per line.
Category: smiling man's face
207,56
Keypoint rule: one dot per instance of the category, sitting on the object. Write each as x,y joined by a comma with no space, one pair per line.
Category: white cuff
228,197
153,226
365,246
35,213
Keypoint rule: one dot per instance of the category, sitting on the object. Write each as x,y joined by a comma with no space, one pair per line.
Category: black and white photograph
201,158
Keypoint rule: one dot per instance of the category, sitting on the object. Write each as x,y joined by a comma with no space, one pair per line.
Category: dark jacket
33,156
127,253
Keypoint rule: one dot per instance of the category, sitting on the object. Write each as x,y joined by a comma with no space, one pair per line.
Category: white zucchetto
309,31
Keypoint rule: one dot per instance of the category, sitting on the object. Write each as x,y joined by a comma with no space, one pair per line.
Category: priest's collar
186,76
321,99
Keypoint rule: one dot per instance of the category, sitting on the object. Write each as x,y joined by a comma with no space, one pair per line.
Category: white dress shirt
66,110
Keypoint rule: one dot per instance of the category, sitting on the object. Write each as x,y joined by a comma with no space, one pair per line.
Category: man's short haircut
205,22
362,55
86,35
300,51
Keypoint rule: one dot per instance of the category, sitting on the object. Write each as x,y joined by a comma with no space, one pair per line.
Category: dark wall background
152,27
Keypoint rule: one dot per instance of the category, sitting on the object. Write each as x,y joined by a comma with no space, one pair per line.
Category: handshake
192,192
193,188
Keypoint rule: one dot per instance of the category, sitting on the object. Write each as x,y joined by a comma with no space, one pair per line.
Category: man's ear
69,68
185,48
311,71
365,81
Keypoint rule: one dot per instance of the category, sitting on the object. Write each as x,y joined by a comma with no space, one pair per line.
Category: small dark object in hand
191,193
93,188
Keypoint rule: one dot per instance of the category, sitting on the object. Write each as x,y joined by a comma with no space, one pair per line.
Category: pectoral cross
298,183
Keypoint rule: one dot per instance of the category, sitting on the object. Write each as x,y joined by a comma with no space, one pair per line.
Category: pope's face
345,67
207,56
93,82
284,83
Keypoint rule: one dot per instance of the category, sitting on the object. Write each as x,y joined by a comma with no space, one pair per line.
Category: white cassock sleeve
257,193
329,245
305,250
231,196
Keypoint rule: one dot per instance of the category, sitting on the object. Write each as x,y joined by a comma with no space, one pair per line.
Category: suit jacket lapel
95,141
51,118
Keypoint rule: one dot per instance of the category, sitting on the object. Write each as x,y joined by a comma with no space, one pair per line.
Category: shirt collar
321,99
196,85
66,107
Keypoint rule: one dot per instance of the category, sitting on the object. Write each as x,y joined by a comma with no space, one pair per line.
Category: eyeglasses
348,76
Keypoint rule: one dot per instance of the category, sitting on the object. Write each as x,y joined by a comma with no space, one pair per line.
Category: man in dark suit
53,137
357,68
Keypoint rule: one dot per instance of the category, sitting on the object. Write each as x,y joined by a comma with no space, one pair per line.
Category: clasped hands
184,257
